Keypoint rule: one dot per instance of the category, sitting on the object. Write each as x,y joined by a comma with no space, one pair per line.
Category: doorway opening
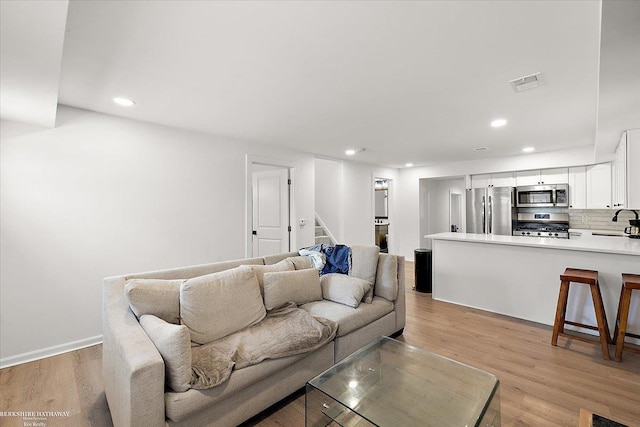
442,207
269,208
381,207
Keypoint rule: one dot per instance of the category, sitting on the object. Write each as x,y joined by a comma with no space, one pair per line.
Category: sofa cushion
387,277
348,318
219,304
344,289
174,344
259,270
180,406
364,263
301,262
301,287
154,296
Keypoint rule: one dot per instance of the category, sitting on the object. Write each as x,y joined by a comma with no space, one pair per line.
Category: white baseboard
50,351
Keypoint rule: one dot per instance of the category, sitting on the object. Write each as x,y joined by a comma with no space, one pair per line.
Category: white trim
326,230
49,351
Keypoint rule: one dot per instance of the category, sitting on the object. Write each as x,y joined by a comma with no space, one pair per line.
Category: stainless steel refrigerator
491,210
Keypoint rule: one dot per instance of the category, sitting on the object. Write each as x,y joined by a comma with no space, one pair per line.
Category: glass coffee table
390,383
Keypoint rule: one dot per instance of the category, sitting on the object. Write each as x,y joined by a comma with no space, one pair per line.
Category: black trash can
424,280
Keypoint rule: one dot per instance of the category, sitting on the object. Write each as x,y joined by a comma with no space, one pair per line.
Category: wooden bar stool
587,277
630,282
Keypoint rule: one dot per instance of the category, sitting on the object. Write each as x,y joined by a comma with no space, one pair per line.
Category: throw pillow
387,277
154,296
364,263
259,270
343,289
300,286
219,304
301,262
173,343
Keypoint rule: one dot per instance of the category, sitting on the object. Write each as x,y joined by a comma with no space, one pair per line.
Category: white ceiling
408,81
31,40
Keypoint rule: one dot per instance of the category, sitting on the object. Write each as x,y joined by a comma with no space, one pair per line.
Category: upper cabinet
599,186
620,174
633,168
481,181
543,176
506,179
626,171
578,187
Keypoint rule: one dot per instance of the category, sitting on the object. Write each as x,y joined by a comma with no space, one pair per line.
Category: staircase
321,235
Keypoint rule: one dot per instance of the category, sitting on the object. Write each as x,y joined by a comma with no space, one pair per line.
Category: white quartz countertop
605,244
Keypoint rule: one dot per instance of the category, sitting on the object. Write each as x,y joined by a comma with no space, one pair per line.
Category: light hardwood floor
541,385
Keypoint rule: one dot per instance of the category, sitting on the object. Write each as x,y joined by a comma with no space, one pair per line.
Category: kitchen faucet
615,216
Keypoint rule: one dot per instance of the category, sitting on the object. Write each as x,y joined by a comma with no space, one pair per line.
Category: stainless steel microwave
535,196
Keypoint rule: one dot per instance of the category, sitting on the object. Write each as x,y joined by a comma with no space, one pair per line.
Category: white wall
347,187
358,225
100,195
408,185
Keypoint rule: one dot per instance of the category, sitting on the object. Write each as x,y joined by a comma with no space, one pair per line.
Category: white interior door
270,212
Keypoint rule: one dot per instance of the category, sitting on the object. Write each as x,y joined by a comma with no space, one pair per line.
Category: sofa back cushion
276,258
301,262
364,265
219,304
387,277
344,289
158,297
301,287
174,345
260,270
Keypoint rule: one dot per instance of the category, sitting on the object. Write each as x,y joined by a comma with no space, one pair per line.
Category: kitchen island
520,276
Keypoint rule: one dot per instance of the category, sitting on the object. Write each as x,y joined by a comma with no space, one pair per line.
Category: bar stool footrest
580,338
581,325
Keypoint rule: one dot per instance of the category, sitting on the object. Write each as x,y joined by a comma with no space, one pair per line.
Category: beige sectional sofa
134,371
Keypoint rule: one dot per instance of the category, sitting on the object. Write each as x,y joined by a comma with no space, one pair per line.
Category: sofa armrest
400,306
132,368
390,284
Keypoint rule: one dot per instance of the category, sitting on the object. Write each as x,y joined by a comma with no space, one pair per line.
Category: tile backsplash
599,219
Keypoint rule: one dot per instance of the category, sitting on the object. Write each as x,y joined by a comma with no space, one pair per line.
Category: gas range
548,225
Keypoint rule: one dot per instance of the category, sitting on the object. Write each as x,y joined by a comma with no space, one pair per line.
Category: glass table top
392,383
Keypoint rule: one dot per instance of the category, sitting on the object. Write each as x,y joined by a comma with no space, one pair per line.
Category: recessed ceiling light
409,165
124,102
498,123
528,149
352,151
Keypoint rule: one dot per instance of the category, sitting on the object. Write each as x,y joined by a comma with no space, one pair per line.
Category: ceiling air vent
527,82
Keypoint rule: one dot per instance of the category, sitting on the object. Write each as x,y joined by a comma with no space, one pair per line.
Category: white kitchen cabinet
599,186
481,181
633,169
620,174
542,176
506,179
578,187
554,176
527,178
